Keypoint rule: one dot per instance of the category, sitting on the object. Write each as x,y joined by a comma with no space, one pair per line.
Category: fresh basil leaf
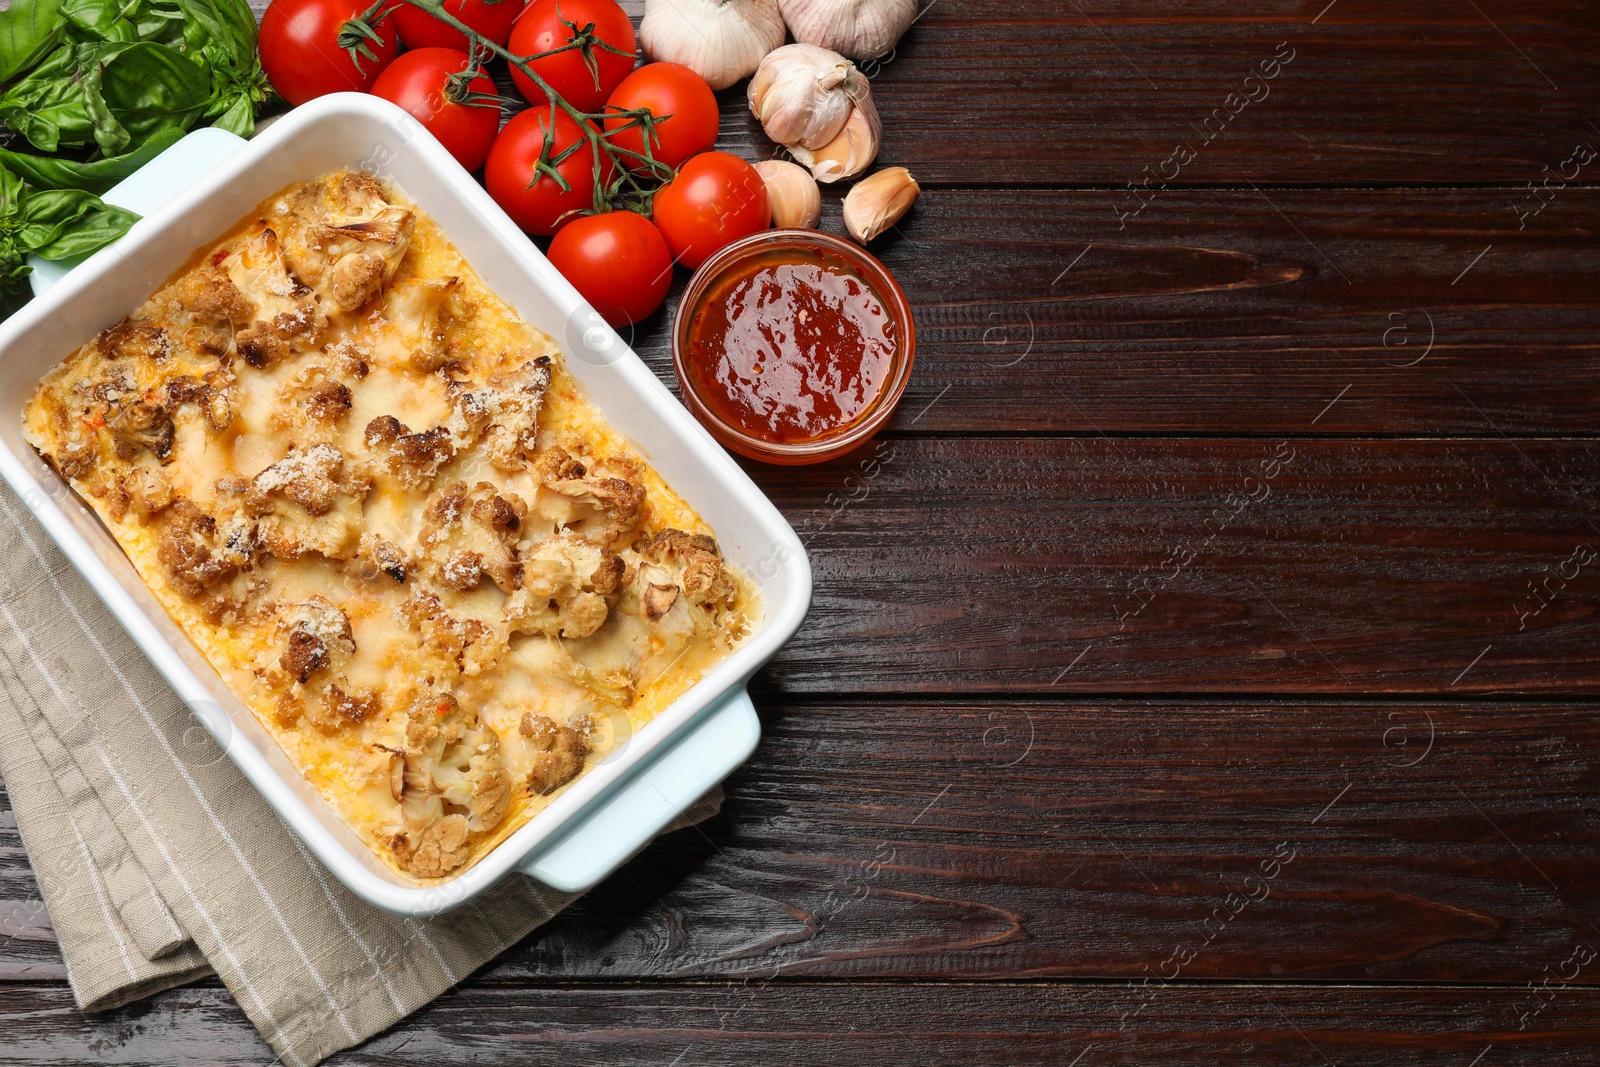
28,30
92,17
13,267
46,214
48,98
59,104
109,134
242,28
150,87
236,113
96,176
165,23
11,194
239,86
94,227
55,223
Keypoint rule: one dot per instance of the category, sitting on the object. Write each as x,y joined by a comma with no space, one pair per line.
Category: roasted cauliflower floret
512,402
559,752
687,564
210,296
452,647
133,340
386,557
145,488
440,848
601,506
343,237
341,707
422,311
468,533
309,501
413,458
317,637
569,584
212,395
197,552
287,319
452,783
313,405
142,425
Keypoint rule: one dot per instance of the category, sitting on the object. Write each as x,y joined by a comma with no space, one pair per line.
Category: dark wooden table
1204,667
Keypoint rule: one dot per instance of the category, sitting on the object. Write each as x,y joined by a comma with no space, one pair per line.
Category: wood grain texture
27,943
1097,91
1088,700
892,1025
1009,839
972,564
1103,93
1327,841
1224,310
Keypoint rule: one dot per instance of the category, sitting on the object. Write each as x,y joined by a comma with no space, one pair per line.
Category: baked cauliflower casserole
375,501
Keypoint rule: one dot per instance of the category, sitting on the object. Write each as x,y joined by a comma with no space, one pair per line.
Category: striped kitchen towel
159,863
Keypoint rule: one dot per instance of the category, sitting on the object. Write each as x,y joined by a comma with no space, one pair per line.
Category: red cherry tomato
666,89
619,262
301,54
492,18
715,200
542,27
419,81
533,200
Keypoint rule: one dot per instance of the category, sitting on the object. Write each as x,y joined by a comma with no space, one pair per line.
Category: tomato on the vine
716,199
676,92
535,201
543,26
421,82
301,54
618,261
492,18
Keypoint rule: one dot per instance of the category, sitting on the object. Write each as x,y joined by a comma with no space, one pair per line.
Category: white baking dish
610,812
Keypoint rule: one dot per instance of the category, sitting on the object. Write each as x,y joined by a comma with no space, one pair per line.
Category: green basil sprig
102,79
54,223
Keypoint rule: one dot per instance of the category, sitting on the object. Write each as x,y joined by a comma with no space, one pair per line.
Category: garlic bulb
878,202
796,201
720,40
859,29
819,106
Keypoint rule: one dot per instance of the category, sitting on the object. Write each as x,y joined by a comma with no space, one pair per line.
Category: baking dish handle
147,188
640,806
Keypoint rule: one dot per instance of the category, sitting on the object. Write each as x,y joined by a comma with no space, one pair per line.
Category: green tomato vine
637,175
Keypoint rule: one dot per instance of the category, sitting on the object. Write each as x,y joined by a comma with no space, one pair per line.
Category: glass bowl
829,444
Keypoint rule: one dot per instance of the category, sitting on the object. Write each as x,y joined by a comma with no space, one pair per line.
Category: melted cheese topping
380,507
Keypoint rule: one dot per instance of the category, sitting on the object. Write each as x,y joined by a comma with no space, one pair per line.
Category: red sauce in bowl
789,348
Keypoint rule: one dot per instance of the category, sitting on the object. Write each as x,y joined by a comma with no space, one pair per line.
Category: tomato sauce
790,345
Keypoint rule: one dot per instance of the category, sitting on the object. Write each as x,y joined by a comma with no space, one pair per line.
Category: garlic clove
851,152
796,201
879,201
800,95
720,40
858,29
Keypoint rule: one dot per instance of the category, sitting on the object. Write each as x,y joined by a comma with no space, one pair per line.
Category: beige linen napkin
159,863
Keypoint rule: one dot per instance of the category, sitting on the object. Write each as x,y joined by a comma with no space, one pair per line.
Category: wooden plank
27,943
987,840
1330,841
1427,312
805,1024
1372,91
1188,566
1106,93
